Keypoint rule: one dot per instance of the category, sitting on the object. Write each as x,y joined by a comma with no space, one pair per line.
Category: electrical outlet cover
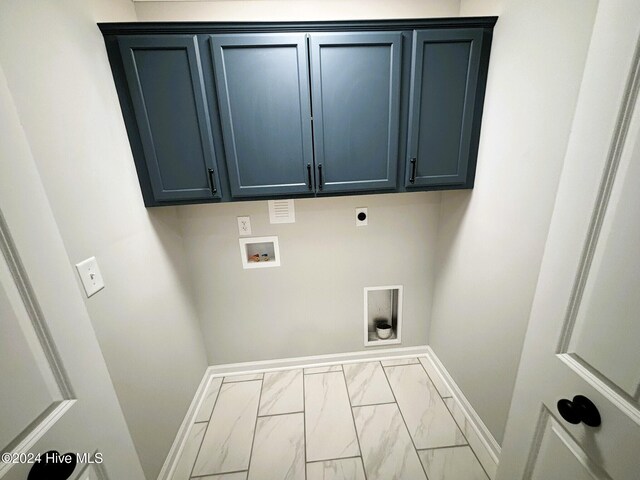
244,226
90,276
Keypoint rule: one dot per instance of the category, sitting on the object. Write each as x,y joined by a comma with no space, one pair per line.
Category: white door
584,331
55,391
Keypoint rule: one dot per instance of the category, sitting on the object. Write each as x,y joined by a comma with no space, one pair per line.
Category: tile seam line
335,459
443,447
197,477
280,414
431,379
465,436
255,427
353,419
404,421
243,381
452,415
320,373
205,430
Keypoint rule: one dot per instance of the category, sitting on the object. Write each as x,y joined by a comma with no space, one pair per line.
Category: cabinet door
445,68
164,77
263,93
356,107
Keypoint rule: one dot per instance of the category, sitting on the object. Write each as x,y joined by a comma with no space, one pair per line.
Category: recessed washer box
259,252
382,305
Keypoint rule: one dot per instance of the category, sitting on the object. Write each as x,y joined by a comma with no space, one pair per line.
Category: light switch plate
365,220
90,276
244,226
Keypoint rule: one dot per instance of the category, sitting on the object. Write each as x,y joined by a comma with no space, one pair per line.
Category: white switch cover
244,226
365,220
90,276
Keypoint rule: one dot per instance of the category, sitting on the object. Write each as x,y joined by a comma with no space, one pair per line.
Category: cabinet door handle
320,177
212,182
309,176
412,178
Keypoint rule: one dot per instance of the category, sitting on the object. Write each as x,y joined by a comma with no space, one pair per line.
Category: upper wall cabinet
164,79
444,78
263,96
356,109
238,111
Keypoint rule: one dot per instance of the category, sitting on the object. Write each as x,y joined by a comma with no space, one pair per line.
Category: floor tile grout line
404,421
255,428
444,447
364,471
218,474
328,371
372,404
431,380
215,402
447,407
465,437
335,459
353,419
282,391
280,414
398,364
242,381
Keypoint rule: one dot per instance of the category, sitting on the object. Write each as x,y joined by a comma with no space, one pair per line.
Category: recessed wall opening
382,315
259,252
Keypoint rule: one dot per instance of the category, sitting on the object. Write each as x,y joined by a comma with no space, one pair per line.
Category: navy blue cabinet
445,71
262,85
164,81
240,111
356,107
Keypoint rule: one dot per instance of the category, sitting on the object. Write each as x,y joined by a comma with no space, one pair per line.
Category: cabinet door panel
445,67
164,76
263,92
356,106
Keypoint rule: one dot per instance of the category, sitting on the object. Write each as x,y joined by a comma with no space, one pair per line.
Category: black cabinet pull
212,182
309,175
580,409
320,177
412,178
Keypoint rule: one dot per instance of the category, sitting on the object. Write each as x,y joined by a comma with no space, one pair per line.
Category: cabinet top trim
261,27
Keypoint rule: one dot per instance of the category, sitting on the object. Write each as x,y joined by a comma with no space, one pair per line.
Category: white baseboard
485,446
315,360
170,463
166,473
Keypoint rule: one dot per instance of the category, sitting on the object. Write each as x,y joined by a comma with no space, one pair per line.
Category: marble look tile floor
373,420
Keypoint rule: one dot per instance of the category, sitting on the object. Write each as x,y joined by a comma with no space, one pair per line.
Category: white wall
491,239
313,303
57,71
292,10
